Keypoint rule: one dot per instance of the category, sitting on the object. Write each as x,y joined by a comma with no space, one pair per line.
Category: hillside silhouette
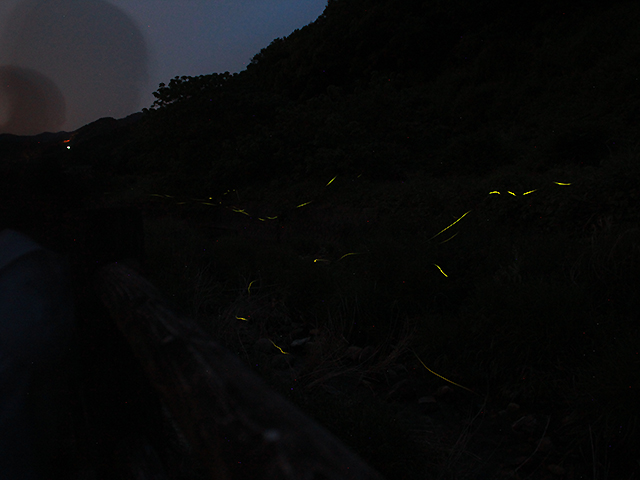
383,89
399,182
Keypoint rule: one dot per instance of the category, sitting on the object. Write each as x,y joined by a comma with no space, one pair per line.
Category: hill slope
387,88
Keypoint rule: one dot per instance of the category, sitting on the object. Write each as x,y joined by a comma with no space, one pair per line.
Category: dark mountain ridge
383,89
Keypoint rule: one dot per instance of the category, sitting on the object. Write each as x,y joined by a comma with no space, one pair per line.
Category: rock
444,390
353,352
513,407
428,404
299,342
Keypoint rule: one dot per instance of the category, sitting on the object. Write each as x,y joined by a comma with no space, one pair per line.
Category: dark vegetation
422,113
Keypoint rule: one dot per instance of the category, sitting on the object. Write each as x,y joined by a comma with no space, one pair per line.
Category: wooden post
239,428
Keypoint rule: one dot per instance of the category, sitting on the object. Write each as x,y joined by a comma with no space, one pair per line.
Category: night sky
66,63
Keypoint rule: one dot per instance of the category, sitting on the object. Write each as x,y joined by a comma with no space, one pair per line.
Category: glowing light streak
347,254
441,271
240,210
443,378
286,353
525,193
449,225
449,238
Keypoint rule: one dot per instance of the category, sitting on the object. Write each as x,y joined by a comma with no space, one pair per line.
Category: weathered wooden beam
236,424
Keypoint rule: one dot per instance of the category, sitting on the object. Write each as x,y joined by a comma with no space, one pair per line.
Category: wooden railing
237,426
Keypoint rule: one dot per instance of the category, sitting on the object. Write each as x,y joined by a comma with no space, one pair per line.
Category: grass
523,299
525,308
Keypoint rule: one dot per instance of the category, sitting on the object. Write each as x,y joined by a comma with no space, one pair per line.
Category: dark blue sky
106,57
